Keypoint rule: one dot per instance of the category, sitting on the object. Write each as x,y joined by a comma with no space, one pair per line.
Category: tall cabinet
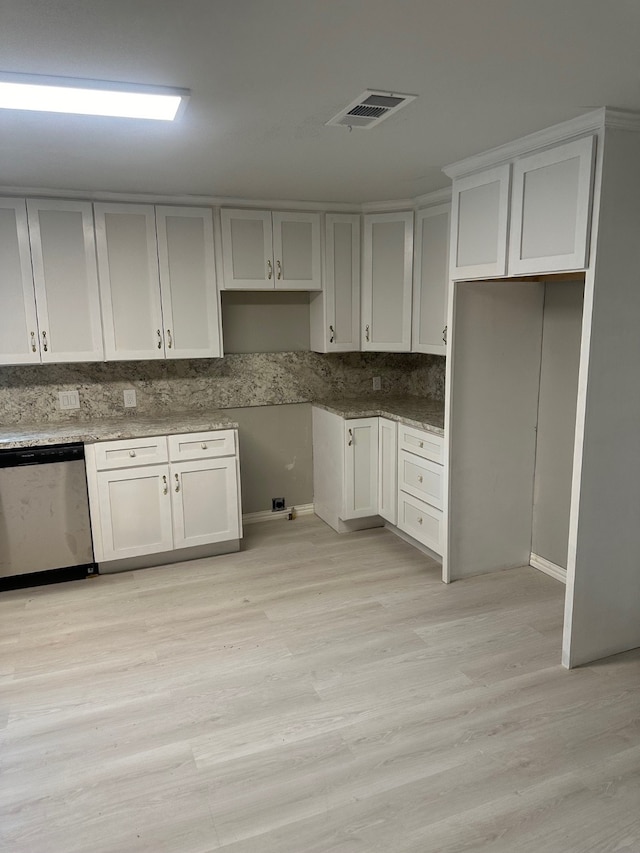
562,204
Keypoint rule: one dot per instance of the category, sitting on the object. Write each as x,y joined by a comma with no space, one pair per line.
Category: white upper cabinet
480,218
386,282
431,280
129,281
66,280
19,334
335,313
550,209
266,251
158,294
189,295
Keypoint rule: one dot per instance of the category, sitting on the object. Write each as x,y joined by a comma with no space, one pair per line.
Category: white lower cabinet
163,494
420,486
360,468
366,470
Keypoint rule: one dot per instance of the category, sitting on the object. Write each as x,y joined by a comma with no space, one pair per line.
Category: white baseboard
548,568
267,515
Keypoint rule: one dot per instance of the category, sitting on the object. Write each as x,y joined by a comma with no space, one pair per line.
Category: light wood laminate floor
312,693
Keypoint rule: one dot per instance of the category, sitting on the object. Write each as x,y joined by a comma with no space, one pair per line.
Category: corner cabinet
335,312
387,282
431,280
164,494
264,250
49,303
158,291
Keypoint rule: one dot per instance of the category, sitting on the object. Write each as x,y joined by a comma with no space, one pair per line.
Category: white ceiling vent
370,109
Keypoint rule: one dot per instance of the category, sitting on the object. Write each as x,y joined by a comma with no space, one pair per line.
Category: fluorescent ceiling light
90,97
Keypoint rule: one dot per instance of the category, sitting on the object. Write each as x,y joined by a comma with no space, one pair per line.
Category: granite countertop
103,429
419,412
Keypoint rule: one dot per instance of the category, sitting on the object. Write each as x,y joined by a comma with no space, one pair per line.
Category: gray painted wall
556,419
265,322
275,455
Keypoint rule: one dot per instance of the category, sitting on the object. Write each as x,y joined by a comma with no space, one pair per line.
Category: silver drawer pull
33,341
44,342
279,266
204,445
421,443
350,437
132,453
165,487
159,339
420,520
333,334
177,482
419,478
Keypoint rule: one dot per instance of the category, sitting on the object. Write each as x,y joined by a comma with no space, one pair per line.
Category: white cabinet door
190,309
129,282
431,280
134,512
66,280
550,209
386,282
19,335
205,501
247,249
388,470
479,221
296,251
360,468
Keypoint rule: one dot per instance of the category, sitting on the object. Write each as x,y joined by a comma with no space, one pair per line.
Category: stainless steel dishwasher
45,532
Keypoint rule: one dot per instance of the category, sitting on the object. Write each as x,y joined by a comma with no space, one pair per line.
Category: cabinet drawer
202,445
131,452
421,521
420,478
425,444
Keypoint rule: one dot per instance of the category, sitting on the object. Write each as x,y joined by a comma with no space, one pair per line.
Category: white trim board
549,568
268,515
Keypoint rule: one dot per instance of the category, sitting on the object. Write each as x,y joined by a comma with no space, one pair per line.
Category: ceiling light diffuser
90,97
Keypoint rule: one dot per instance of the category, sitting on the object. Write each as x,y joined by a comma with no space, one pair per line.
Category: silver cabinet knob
132,453
204,445
420,520
419,478
421,443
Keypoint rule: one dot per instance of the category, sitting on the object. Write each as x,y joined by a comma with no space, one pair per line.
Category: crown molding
563,132
622,119
437,197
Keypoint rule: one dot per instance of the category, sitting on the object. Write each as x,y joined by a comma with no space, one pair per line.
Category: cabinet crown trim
591,122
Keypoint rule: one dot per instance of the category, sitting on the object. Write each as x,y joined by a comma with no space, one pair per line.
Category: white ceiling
265,76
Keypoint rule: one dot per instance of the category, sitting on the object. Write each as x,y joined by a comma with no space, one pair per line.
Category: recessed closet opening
515,358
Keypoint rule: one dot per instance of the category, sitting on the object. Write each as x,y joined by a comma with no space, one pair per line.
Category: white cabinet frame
52,349
16,235
499,175
428,290
373,335
584,151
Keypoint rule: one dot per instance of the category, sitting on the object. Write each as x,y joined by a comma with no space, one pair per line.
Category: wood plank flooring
312,693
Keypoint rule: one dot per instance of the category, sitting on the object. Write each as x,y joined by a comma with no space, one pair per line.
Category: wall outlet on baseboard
377,385
129,398
69,399
278,504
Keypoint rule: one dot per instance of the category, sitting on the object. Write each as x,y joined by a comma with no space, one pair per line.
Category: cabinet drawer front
425,444
420,478
202,445
131,452
421,521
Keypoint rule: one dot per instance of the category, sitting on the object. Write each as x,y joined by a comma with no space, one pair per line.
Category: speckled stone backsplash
29,394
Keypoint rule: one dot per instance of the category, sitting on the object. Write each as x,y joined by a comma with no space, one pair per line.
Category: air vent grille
370,109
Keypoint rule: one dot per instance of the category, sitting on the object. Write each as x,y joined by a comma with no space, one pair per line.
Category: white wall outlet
69,399
377,386
130,398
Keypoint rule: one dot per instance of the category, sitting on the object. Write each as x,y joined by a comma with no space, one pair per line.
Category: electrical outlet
278,504
130,398
69,399
377,385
